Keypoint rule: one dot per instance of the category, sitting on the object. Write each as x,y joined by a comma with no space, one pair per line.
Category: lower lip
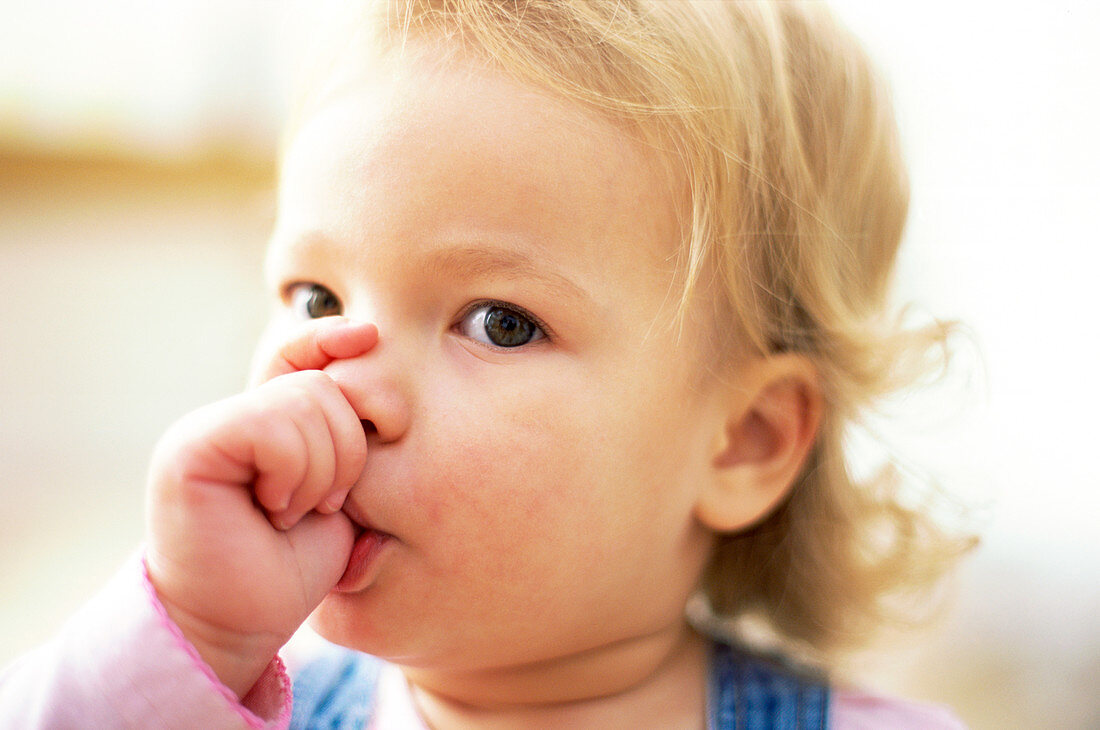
363,561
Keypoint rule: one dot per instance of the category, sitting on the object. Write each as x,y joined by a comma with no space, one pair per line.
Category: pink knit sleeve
855,710
120,662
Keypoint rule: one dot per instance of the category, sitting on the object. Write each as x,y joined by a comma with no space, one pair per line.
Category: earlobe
770,427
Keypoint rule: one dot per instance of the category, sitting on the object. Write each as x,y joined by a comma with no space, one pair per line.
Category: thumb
322,545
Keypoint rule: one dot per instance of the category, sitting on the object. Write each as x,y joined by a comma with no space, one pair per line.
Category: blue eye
313,301
500,325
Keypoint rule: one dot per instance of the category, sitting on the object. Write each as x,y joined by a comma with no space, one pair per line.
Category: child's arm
120,663
178,642
245,532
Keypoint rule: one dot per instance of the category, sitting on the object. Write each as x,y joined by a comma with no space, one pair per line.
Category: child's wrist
237,660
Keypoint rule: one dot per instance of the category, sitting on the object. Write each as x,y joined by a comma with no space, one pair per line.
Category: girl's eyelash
472,306
287,290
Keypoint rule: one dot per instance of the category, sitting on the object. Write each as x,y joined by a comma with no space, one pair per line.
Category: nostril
368,427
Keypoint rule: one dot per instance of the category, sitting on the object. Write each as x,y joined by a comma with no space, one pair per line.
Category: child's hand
245,532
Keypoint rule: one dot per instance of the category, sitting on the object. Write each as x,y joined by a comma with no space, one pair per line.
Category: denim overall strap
751,692
335,692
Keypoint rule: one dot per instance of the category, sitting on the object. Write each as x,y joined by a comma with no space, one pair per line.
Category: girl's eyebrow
453,262
474,262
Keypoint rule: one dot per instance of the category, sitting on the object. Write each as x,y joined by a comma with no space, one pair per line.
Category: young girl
574,301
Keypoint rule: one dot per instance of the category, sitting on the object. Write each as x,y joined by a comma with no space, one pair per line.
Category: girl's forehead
467,125
410,81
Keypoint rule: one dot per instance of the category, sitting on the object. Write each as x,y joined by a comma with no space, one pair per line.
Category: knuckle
299,406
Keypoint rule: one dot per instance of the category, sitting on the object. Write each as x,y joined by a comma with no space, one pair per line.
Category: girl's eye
500,325
313,301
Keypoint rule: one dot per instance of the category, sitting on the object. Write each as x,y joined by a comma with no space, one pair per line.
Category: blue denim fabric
335,692
746,692
751,692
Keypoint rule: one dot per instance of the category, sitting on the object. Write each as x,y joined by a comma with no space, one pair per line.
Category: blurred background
137,163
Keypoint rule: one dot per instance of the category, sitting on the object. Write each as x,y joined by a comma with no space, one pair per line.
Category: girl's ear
775,407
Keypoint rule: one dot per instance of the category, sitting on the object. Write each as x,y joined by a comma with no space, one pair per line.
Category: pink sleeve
120,662
854,710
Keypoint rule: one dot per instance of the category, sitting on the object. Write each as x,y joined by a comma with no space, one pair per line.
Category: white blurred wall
129,302
999,109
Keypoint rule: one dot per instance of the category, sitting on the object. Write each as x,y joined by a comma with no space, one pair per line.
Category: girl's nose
376,386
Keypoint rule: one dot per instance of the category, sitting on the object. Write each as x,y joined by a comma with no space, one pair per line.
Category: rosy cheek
486,454
505,455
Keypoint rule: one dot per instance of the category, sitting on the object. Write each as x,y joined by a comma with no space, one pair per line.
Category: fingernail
334,503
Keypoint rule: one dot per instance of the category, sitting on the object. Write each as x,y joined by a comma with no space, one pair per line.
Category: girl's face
537,429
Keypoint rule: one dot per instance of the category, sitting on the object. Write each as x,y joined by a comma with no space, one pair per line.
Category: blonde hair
798,200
